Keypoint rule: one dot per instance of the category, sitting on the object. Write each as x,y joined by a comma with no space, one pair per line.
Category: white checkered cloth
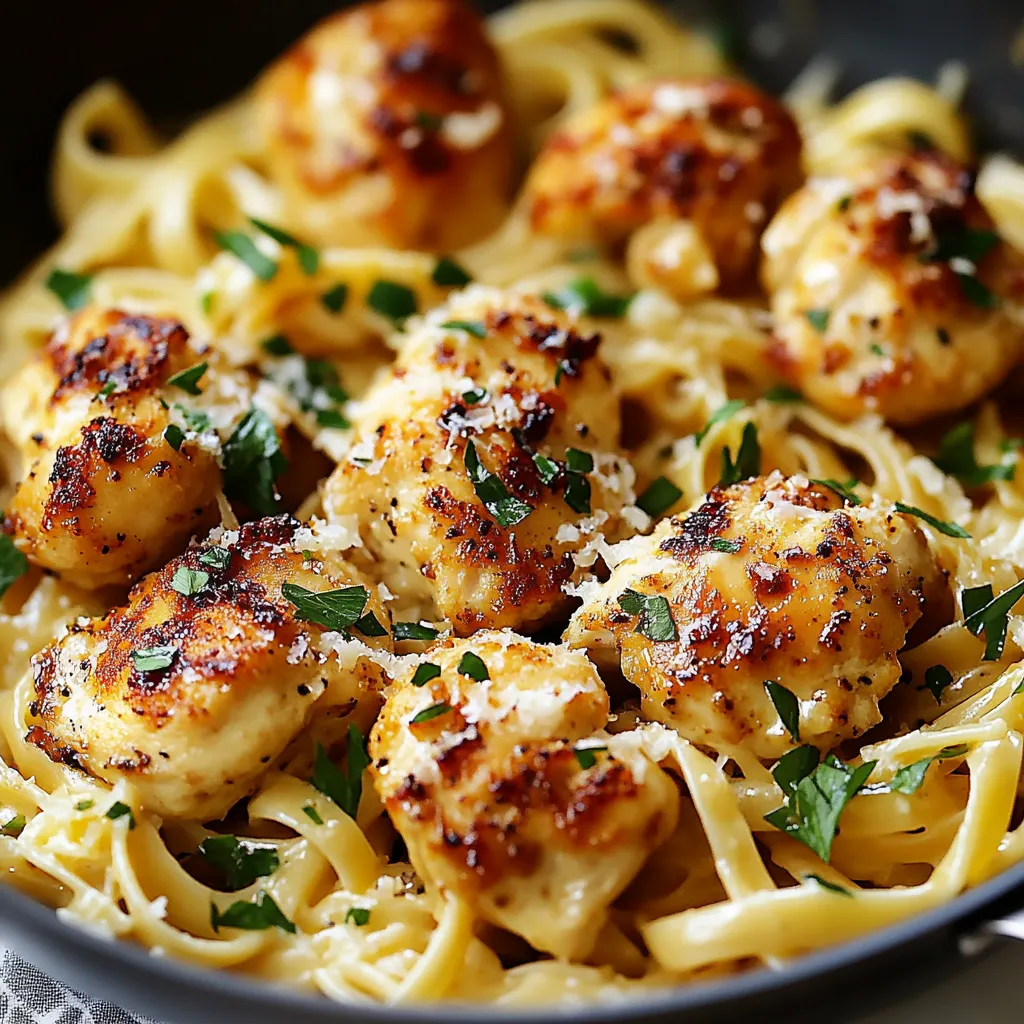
27,996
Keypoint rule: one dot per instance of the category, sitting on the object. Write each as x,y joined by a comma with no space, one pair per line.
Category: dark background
178,58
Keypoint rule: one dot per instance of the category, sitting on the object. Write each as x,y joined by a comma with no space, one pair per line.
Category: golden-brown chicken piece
480,771
208,672
890,291
692,168
386,125
486,472
772,579
104,495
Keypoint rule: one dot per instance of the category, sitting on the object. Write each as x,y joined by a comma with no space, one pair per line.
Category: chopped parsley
120,810
472,666
13,827
345,788
795,765
656,622
956,457
812,810
313,814
369,625
84,805
428,714
241,861
252,462
332,609
277,345
949,529
475,396
475,327
188,581
844,203
259,915
936,679
188,380
577,486
506,509
725,546
359,916
781,394
393,301
876,349
910,778
844,490
309,258
448,274
334,299
577,461
316,389
955,242
658,497
818,319
547,469
748,459
413,631
787,706
824,883
107,390
723,413
244,248
990,617
424,673
174,436
73,290
13,564
216,558
586,296
153,659
586,756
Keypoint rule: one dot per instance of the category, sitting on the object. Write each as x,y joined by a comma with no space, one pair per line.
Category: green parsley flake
724,546
84,805
991,618
334,299
216,558
844,490
345,788
824,883
13,827
506,509
656,622
910,778
188,582
309,258
937,678
787,706
359,916
277,345
240,861
587,297
949,529
956,457
725,412
259,915
313,814
332,609
475,327
107,390
244,248
424,673
413,631
780,394
586,756
428,714
393,301
73,290
13,564
547,469
369,625
253,460
748,459
174,436
818,319
120,810
448,274
472,666
153,659
795,765
658,497
811,814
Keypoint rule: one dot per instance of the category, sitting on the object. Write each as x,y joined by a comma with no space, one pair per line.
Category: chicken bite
486,472
891,292
111,484
207,674
691,168
387,125
477,756
770,580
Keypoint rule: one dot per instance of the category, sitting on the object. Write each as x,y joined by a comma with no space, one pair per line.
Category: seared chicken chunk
107,492
207,673
890,291
770,580
386,125
694,167
481,773
486,470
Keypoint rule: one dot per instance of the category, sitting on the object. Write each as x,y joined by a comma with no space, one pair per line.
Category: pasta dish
507,511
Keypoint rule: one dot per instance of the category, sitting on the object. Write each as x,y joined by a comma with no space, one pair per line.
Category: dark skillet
179,59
